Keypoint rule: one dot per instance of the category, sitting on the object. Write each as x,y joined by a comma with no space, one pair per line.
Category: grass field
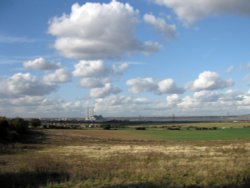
222,134
124,158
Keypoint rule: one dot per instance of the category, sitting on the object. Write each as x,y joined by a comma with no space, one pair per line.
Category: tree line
13,129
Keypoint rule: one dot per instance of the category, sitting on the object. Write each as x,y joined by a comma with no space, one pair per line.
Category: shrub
140,128
12,135
35,122
12,129
106,126
4,128
19,125
174,128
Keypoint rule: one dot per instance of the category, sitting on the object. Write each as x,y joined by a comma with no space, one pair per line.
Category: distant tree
106,126
35,122
19,125
4,128
3,118
140,128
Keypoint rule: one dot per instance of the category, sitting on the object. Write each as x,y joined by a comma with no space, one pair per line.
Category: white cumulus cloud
104,91
41,64
98,31
128,106
190,11
59,76
172,100
98,69
207,96
167,30
97,74
138,85
209,102
22,84
120,69
169,86
95,68
93,82
208,80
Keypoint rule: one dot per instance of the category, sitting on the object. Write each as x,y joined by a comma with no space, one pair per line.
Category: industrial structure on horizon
90,114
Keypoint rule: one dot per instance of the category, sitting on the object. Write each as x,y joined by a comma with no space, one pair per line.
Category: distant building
90,115
94,118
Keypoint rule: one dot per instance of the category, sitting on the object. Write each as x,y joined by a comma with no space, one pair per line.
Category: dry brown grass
80,136
71,158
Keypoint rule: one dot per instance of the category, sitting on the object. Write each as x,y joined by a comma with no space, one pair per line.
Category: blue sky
126,58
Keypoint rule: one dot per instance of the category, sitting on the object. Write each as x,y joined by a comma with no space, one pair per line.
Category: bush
19,125
12,135
106,126
140,128
12,129
4,128
35,122
174,128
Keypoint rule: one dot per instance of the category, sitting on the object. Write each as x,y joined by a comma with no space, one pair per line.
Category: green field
221,134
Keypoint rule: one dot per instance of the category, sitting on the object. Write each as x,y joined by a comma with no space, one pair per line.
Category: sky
124,57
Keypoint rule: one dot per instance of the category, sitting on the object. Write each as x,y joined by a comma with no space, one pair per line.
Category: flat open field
222,134
155,157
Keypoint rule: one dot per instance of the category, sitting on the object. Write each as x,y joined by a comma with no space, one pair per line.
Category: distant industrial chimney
90,113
